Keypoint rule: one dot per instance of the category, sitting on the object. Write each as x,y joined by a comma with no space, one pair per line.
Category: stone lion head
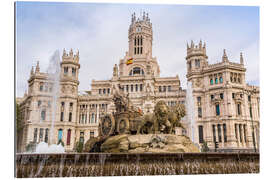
161,108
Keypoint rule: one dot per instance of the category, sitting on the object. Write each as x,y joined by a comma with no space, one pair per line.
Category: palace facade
226,108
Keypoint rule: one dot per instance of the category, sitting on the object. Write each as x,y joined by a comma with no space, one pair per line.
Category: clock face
138,29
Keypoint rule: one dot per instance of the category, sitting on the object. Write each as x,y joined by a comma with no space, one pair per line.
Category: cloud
100,32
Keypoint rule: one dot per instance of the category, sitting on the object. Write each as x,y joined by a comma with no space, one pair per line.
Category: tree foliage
18,118
205,147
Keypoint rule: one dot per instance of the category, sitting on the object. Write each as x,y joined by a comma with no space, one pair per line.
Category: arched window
159,89
169,88
136,87
136,71
43,115
134,50
68,136
138,50
141,40
135,42
221,80
141,50
131,88
127,88
70,117
211,81
141,87
73,72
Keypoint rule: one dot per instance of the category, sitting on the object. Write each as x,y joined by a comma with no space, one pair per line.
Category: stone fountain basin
128,164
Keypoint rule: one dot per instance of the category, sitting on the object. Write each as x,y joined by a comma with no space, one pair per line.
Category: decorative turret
140,36
224,57
70,56
241,58
196,57
37,68
115,70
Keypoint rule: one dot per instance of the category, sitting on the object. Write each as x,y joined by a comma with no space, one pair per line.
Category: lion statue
163,120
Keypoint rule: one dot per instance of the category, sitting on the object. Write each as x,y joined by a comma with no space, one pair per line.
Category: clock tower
140,37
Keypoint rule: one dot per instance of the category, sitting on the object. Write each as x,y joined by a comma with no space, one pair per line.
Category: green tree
18,118
79,146
205,147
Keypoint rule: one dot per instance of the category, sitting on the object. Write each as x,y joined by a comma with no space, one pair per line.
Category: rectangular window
82,137
212,96
240,132
159,89
169,88
131,88
164,88
134,50
245,131
41,87
62,116
68,136
46,135
239,109
233,95
65,70
214,132
211,81
35,134
141,87
235,131
127,88
197,63
199,112
39,103
220,80
40,134
249,98
92,134
141,50
60,134
136,87
217,110
219,133
221,95
225,132
104,91
108,90
70,117
250,111
99,91
73,72
200,134
43,115
216,80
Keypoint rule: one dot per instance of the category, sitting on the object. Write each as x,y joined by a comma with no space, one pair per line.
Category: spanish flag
129,61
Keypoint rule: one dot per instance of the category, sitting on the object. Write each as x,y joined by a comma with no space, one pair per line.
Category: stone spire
64,52
71,52
37,68
32,70
241,58
200,44
224,57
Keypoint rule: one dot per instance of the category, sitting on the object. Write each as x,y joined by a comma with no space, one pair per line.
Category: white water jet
54,78
54,75
190,110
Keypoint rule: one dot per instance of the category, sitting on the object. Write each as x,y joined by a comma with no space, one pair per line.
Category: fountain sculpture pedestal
154,143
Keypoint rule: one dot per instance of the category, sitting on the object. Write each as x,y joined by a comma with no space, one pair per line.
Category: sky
100,33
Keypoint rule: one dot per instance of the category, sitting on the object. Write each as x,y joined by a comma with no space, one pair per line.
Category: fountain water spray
190,110
54,77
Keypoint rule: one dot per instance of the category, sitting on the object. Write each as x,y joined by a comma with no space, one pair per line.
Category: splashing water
43,147
190,110
54,77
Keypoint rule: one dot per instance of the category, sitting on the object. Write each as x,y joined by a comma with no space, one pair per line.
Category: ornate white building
217,90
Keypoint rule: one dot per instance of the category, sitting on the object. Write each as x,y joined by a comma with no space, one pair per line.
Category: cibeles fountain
132,143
